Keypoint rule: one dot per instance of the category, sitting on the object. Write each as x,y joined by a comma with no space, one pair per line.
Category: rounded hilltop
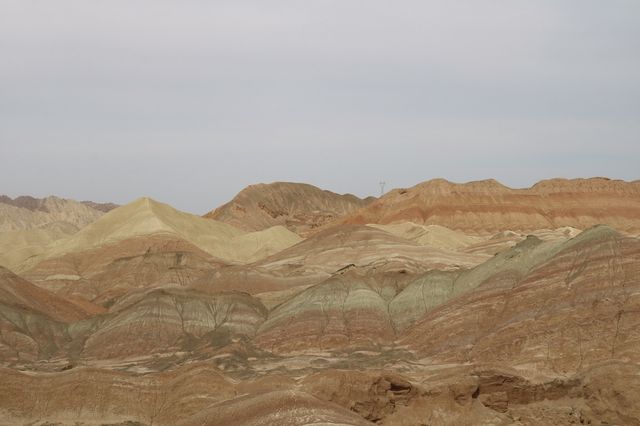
299,207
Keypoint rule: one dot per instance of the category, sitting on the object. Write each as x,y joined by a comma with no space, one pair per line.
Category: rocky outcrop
200,394
286,407
374,395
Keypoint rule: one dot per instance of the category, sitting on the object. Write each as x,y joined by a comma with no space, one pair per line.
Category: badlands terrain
440,304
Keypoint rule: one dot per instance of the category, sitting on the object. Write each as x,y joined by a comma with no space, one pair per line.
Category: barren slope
20,293
170,320
347,310
435,288
33,322
430,235
19,245
104,273
577,308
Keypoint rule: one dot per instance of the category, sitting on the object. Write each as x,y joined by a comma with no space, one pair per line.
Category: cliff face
299,207
487,207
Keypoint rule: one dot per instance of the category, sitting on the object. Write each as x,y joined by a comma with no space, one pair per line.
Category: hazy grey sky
190,101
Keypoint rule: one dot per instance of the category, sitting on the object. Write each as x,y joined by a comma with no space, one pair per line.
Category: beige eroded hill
28,225
342,246
507,239
17,246
28,212
103,207
430,235
335,250
377,249
146,217
145,244
488,207
447,239
299,207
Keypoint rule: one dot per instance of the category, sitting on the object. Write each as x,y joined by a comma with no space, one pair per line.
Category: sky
190,101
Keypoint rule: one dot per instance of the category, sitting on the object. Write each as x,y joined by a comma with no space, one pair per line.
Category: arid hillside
522,314
299,207
488,207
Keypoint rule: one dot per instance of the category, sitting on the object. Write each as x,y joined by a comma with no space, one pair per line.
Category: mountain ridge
484,207
28,212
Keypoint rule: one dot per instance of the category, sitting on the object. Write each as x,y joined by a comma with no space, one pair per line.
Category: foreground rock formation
151,316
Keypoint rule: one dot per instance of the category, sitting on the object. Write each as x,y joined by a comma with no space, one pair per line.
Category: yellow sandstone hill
430,235
147,217
18,245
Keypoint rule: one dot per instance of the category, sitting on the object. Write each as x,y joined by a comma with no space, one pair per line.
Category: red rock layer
488,207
